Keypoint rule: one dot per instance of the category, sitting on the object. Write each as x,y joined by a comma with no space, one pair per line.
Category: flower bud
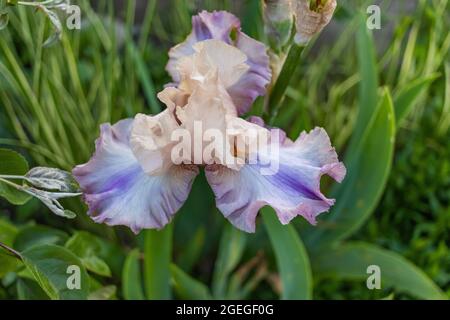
311,16
278,18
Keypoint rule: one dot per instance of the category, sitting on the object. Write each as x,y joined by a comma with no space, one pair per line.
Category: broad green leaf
52,179
87,247
232,245
51,267
350,261
38,235
292,258
8,233
28,289
104,293
407,95
132,277
368,86
12,163
158,255
367,173
187,287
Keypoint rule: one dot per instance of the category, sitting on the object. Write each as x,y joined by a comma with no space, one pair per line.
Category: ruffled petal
292,189
119,192
219,25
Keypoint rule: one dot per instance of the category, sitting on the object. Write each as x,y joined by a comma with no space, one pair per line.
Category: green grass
52,101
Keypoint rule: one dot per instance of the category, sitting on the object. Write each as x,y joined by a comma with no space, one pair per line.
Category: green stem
8,176
279,89
11,250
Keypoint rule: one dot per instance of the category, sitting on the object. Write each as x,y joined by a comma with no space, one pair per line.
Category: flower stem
279,89
11,250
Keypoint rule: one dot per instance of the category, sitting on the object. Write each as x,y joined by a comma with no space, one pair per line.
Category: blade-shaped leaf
232,245
292,258
368,86
351,260
131,277
158,255
363,186
405,98
50,266
187,287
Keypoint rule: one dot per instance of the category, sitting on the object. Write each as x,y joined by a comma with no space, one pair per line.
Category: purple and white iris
135,179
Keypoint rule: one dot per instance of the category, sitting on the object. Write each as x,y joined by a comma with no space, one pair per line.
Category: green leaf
292,258
232,245
104,293
367,174
28,289
12,163
87,247
158,255
38,235
350,261
187,287
8,233
52,179
367,95
50,266
406,97
131,277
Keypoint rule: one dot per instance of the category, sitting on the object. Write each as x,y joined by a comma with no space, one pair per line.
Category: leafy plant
53,100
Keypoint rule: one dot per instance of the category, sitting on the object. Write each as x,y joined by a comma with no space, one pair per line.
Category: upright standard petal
225,27
119,192
292,189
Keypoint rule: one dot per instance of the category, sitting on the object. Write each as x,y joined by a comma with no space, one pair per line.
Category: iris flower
140,176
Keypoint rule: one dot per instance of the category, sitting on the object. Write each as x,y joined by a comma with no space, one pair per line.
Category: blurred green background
52,101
